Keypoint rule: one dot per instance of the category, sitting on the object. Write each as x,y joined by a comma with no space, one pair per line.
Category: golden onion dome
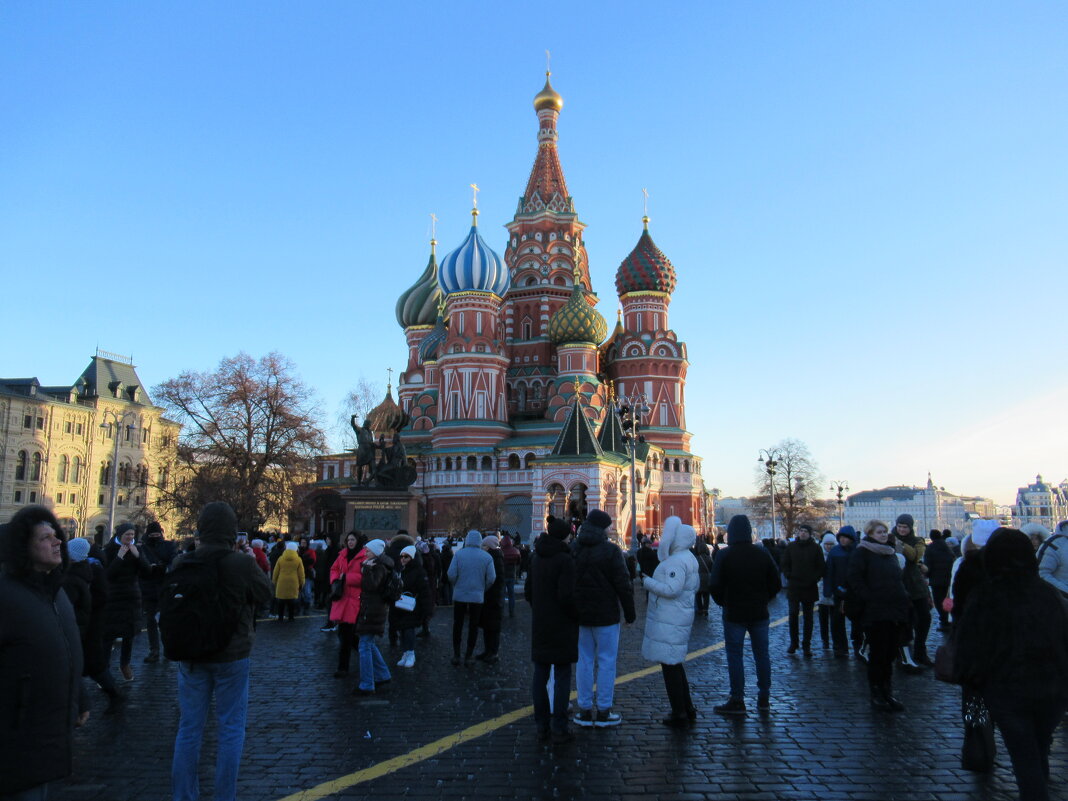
548,97
577,320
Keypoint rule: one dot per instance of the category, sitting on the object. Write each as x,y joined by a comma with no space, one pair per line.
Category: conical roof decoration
576,438
611,436
418,305
646,269
577,321
387,416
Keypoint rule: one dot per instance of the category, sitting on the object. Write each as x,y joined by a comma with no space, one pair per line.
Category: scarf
877,548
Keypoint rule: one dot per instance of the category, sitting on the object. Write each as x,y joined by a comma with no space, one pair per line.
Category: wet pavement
443,732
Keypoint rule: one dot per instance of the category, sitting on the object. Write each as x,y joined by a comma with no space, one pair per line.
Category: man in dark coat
492,604
159,553
224,675
602,587
803,566
939,560
41,698
126,566
744,581
550,591
837,579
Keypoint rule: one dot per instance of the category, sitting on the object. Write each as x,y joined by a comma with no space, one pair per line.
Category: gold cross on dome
433,226
645,201
548,69
474,195
390,379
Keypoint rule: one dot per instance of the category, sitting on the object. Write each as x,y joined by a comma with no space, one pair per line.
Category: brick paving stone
821,739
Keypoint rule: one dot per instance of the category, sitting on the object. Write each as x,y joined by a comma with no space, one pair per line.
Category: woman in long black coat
416,584
1012,647
122,615
550,591
490,621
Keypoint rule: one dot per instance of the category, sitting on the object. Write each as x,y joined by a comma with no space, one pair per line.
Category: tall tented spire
611,433
576,438
546,187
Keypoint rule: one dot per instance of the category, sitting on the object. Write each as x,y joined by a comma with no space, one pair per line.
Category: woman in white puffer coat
669,616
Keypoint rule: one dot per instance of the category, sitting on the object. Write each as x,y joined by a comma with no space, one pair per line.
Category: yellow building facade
59,445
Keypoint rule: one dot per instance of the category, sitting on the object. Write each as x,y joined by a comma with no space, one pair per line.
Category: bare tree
359,401
250,435
798,483
481,511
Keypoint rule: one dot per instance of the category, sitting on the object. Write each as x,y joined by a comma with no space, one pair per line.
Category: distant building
57,445
1041,503
930,506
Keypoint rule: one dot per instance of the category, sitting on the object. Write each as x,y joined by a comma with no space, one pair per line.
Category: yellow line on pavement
430,750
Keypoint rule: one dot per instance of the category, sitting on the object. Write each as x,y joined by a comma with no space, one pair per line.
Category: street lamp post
770,458
631,411
118,420
840,487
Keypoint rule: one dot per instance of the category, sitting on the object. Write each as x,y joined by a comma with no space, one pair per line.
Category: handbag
943,662
337,588
406,602
978,752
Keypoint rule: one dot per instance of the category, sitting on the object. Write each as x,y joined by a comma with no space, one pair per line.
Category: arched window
35,474
472,463
20,466
105,473
677,466
667,465
64,469
487,463
528,461
76,470
686,466
513,461
448,463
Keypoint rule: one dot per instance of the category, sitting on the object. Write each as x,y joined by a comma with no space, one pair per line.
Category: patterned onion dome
473,267
646,269
430,347
577,321
548,97
419,304
387,416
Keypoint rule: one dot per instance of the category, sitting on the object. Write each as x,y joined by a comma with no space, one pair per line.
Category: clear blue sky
865,202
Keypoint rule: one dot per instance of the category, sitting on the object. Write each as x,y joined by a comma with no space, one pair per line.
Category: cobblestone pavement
444,732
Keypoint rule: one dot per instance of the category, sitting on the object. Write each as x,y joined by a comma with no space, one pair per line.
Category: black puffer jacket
602,583
158,553
744,580
550,590
875,577
40,677
803,565
417,584
939,560
122,616
373,608
90,574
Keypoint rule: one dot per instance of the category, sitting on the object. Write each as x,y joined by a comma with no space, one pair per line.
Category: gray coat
471,572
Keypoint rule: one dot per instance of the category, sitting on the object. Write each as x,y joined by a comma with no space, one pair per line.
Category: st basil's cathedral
513,379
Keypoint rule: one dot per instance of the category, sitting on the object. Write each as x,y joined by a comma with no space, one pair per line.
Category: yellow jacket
288,576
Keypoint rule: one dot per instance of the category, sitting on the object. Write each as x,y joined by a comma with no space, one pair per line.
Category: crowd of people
999,595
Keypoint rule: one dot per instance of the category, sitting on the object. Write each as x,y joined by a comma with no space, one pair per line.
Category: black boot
893,703
878,698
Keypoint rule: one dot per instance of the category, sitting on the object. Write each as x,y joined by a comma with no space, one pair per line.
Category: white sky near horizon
865,203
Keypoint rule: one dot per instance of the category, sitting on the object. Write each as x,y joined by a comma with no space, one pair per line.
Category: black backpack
197,618
392,586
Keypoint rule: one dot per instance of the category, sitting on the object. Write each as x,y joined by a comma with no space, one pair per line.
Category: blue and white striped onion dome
473,267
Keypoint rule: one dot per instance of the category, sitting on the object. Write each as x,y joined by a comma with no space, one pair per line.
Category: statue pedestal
379,513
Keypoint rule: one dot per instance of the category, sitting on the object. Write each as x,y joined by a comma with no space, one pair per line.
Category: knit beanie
599,519
1009,551
490,541
559,529
292,546
377,547
78,549
829,539
409,551
981,531
122,528
907,520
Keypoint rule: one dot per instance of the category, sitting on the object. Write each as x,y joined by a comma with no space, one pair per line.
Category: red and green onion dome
387,416
646,269
419,304
577,321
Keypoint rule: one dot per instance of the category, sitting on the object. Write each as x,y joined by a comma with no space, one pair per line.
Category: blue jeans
197,682
543,718
372,665
38,793
734,637
509,590
598,646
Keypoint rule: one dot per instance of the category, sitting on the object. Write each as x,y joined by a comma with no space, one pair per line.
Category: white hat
408,551
377,547
981,531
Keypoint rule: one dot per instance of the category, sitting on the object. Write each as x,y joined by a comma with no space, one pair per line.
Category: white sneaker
411,659
403,661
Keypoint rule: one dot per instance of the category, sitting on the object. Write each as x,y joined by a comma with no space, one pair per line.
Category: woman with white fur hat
669,616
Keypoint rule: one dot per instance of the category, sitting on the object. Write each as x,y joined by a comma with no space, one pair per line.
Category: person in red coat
343,612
